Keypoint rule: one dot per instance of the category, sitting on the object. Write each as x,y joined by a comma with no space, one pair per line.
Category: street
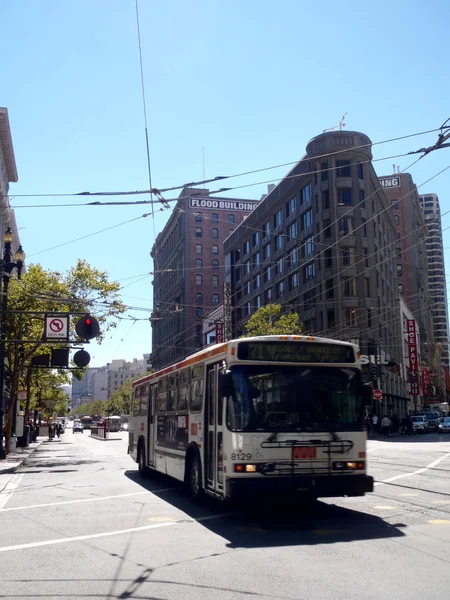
78,521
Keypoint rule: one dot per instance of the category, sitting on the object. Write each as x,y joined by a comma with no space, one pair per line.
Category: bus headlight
245,468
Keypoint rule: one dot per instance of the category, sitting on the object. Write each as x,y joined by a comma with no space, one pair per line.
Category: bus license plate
304,452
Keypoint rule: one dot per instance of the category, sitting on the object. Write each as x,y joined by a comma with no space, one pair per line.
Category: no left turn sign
56,328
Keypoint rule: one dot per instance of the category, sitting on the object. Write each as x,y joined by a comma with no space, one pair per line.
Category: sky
230,87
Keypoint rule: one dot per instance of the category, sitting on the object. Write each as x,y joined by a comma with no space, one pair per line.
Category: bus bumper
324,486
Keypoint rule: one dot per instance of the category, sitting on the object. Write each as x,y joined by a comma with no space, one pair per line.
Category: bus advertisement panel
265,415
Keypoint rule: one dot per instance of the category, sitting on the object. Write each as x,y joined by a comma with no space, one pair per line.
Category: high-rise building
120,371
322,243
437,287
189,270
411,254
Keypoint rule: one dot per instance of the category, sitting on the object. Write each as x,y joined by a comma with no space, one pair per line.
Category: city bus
265,415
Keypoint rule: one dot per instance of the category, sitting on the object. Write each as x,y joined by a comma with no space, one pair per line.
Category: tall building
438,288
322,243
189,270
119,371
411,253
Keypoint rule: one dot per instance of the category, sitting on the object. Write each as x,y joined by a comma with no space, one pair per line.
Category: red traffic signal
87,328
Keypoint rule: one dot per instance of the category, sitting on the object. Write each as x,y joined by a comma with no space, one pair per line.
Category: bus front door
152,425
214,427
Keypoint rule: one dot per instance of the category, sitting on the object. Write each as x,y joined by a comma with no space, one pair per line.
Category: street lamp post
7,267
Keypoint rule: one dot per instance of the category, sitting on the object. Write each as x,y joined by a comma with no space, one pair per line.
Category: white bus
264,415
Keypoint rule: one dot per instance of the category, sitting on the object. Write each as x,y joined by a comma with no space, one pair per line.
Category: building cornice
7,146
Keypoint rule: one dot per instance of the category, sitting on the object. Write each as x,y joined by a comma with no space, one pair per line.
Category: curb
17,459
95,437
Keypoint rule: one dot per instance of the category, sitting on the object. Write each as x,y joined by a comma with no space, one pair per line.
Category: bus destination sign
297,352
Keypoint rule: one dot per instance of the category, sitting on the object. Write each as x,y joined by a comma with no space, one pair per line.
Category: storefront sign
412,345
390,182
227,308
219,333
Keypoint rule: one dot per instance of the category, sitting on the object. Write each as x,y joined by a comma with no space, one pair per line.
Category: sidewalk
15,459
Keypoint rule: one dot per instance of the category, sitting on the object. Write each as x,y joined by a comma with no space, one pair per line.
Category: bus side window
172,392
183,398
137,401
161,404
144,400
197,395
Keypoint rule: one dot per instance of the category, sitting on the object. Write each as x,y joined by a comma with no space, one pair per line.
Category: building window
198,263
198,217
327,228
198,311
292,230
237,273
346,226
198,232
331,318
291,206
294,281
366,255
268,296
279,267
215,298
350,287
329,288
258,301
215,280
230,218
328,258
266,252
309,272
255,238
246,248
267,275
278,218
278,242
363,228
343,168
249,308
362,202
400,288
350,317
324,171
280,288
214,217
257,283
215,233
306,194
199,297
344,197
215,249
308,246
266,228
247,267
360,171
348,257
257,259
325,199
307,219
199,279
198,248
394,203
294,256
215,264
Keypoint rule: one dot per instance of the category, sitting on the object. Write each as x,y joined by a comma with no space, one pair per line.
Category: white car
420,424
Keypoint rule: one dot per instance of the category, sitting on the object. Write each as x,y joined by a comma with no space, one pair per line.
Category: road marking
440,502
417,472
408,495
384,507
9,489
161,519
439,522
372,449
96,499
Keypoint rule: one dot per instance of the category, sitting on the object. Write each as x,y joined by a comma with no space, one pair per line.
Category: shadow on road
418,438
271,524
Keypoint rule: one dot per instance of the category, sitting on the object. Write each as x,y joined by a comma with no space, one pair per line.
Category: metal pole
2,359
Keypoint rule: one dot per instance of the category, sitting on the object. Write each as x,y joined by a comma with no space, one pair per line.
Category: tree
120,400
83,289
268,320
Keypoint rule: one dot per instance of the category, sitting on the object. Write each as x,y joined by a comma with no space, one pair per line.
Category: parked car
77,427
433,420
420,424
444,425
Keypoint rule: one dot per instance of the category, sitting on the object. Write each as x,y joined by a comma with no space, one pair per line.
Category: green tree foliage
268,320
82,289
120,400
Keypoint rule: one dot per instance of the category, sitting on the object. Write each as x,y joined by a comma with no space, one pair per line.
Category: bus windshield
291,398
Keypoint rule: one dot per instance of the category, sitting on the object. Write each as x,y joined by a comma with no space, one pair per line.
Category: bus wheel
195,477
141,460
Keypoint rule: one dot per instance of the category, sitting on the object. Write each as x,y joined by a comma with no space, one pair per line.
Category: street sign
377,394
22,395
56,327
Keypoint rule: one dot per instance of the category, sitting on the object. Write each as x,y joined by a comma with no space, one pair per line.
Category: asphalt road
79,522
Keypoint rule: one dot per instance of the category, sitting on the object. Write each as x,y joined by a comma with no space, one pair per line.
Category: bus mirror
225,383
367,394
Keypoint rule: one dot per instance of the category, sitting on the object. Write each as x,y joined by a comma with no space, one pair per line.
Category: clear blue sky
249,81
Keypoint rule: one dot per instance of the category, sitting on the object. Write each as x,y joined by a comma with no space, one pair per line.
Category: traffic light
87,328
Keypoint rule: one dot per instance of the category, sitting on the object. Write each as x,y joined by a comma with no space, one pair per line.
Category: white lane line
376,448
96,499
80,538
417,472
9,489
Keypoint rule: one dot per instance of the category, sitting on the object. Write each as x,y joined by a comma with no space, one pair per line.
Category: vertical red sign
426,380
219,333
412,345
447,379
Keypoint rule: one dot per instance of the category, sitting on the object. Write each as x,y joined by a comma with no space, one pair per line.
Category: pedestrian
58,429
50,430
368,424
409,426
375,423
385,425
